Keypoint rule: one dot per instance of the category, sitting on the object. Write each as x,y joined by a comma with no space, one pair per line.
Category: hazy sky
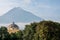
47,9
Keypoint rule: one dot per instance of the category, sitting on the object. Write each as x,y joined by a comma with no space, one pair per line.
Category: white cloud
3,10
27,1
21,25
6,5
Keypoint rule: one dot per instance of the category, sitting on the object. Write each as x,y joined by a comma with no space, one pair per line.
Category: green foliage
4,35
29,31
19,35
44,30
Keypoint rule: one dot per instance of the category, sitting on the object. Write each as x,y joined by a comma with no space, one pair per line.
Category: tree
44,30
19,35
4,35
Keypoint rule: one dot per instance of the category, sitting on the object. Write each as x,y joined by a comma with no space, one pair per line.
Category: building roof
13,25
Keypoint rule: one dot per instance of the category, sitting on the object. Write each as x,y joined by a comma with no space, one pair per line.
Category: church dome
12,28
13,25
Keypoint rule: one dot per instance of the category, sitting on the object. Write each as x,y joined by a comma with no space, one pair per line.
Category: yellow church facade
13,28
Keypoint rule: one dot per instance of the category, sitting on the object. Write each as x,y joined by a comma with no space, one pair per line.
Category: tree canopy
44,30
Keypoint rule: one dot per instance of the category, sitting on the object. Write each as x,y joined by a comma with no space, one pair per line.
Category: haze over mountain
17,14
